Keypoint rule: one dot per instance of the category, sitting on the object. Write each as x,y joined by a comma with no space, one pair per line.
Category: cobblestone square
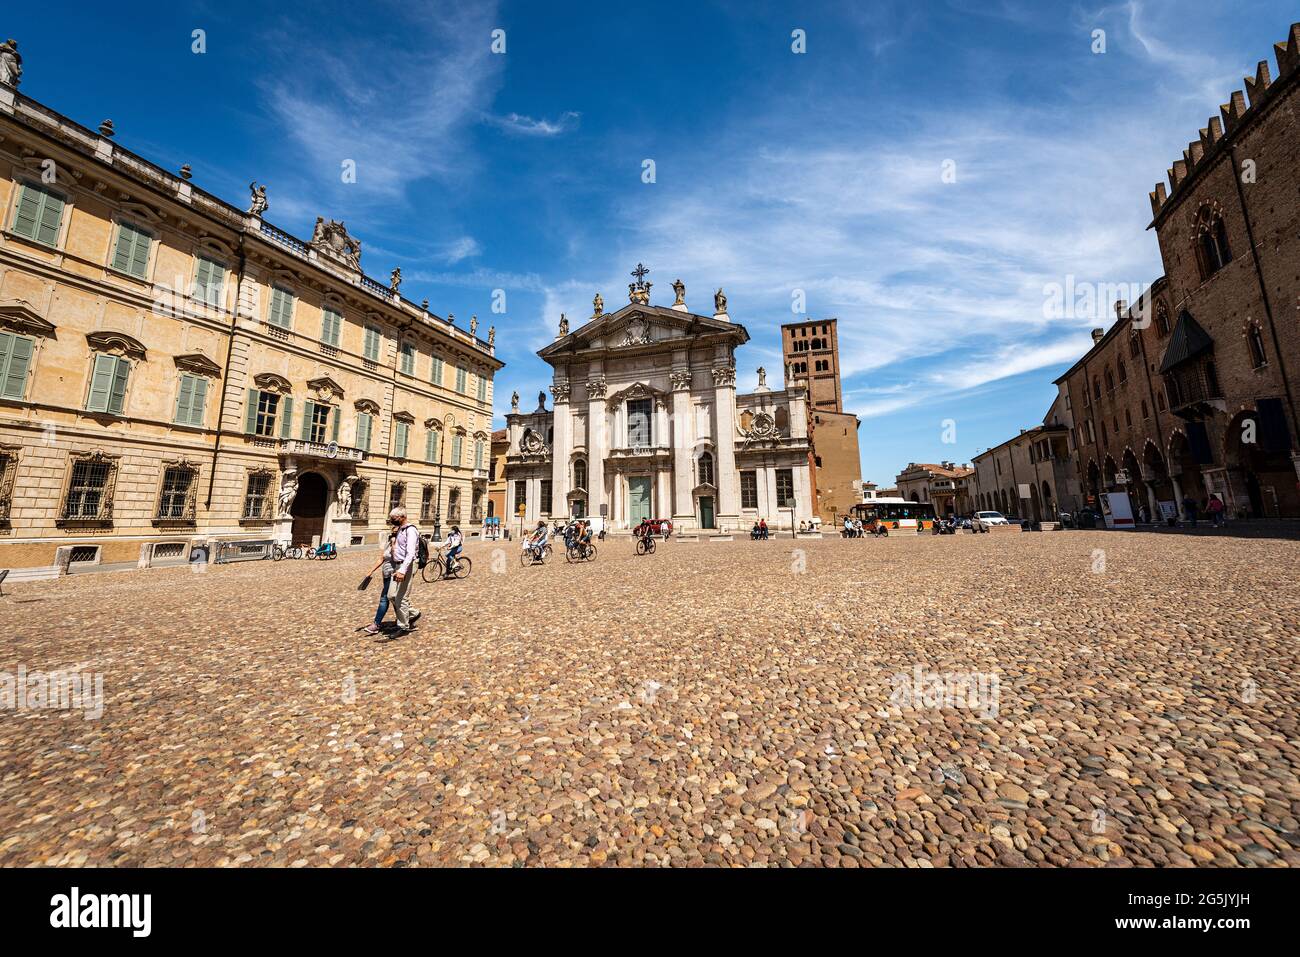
1080,698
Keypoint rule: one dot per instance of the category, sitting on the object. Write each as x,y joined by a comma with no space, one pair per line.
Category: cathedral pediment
638,326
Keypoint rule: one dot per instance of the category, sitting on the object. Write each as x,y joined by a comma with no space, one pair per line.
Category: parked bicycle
286,551
324,551
437,567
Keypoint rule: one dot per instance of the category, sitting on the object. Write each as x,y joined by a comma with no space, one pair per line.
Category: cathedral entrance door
706,511
638,499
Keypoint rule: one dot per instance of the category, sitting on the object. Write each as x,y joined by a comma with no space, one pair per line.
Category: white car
983,521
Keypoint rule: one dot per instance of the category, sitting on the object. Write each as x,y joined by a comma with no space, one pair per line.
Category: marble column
561,447
597,441
683,508
724,396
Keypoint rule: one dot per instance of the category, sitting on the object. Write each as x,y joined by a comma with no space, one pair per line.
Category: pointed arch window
1212,251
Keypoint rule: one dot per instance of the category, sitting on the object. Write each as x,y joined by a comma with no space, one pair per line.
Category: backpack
421,550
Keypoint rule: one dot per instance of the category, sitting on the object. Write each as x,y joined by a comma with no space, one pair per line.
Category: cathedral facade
647,423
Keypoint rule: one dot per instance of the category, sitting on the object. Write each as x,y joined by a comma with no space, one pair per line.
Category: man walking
406,546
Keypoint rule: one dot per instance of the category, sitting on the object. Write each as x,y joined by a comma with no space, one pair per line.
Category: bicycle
437,568
324,552
286,551
532,556
645,545
580,552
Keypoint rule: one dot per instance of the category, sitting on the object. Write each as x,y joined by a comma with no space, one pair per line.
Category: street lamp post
437,498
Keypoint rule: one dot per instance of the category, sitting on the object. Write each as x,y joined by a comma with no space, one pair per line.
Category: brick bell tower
811,353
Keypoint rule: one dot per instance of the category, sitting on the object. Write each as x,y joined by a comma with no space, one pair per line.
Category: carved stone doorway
309,507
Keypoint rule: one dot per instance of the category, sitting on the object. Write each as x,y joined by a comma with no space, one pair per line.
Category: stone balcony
330,451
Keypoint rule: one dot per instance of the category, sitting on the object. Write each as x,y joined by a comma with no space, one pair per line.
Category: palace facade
647,423
175,370
1192,391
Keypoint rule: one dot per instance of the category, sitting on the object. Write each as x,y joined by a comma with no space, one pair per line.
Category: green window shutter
198,401
478,453
281,312
184,400
482,388
15,358
436,375
399,440
250,413
39,215
122,251
372,344
208,277
331,326
335,414
28,216
117,400
456,450
363,431
51,215
429,448
286,416
132,253
101,383
308,411
460,379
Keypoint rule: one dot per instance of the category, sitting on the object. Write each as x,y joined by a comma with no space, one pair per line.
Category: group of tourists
759,532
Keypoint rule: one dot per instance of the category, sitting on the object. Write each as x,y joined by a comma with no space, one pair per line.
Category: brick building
176,370
811,357
1191,391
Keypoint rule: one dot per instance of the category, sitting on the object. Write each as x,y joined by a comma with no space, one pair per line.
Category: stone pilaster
724,395
597,441
683,509
561,446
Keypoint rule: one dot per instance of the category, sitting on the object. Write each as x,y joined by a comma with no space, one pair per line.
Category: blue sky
774,171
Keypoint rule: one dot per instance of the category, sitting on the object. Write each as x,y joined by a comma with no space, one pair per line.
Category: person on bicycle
455,542
584,537
537,540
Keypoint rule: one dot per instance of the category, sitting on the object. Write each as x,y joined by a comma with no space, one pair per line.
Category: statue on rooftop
473,325
11,64
719,302
679,288
395,279
598,305
564,325
259,204
492,335
514,401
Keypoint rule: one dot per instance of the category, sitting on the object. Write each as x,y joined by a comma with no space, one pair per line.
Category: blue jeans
451,557
383,598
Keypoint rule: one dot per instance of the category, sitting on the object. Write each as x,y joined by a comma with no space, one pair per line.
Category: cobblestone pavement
1078,698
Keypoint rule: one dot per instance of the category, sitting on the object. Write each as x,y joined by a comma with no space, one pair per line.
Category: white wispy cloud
528,126
396,112
463,248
